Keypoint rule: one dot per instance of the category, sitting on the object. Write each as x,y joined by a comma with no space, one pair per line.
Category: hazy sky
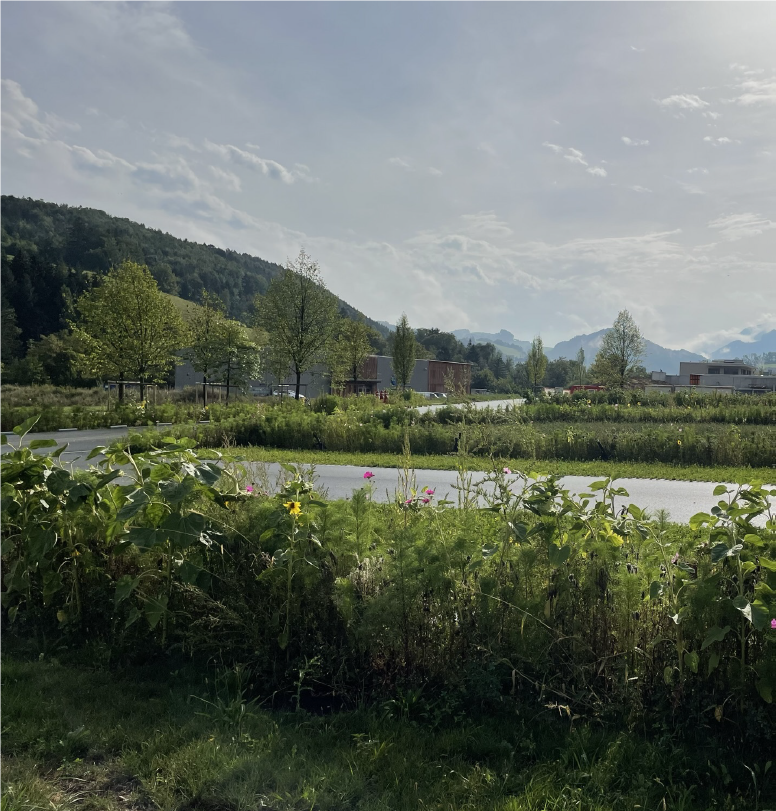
535,167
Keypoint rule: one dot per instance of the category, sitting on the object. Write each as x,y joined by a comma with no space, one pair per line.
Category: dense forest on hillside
51,253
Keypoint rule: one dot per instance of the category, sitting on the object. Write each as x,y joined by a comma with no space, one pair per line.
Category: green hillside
51,253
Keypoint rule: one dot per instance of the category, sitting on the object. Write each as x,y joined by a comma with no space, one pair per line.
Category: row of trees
124,328
617,362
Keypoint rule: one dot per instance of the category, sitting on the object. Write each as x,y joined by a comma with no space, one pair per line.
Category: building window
695,380
731,370
713,370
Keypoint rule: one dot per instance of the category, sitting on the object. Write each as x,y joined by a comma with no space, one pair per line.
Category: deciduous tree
404,352
350,348
207,352
536,362
622,350
299,314
128,328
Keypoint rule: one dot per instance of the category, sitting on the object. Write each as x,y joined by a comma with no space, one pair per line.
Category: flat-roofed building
729,376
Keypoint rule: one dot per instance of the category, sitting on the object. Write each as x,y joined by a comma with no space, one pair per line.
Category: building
714,377
375,375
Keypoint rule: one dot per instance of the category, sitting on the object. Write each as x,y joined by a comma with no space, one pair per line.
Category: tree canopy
404,352
128,328
299,315
622,349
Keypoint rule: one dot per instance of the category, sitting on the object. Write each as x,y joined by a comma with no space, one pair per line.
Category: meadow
202,640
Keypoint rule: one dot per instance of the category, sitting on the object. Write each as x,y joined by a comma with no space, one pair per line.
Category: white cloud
712,115
401,163
684,101
697,170
739,226
21,114
641,189
576,156
432,170
634,141
267,167
484,146
723,141
226,178
757,91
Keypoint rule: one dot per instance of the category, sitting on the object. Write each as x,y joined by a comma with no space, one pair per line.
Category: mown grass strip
620,470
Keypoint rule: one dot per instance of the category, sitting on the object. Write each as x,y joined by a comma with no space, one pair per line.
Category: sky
535,167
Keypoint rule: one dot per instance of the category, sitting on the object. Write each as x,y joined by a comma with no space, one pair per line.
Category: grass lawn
636,470
142,739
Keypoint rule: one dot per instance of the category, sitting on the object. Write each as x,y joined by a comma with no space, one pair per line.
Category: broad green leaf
698,520
691,659
558,556
715,634
668,675
42,443
175,492
96,451
124,587
23,429
135,503
58,481
41,542
155,608
183,530
765,689
713,662
655,589
143,537
719,490
79,492
134,616
720,551
599,485
4,439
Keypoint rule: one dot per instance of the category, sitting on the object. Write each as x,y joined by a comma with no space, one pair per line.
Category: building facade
714,377
374,375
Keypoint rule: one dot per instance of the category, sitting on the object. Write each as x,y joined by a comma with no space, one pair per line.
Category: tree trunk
142,389
298,382
204,392
228,378
121,387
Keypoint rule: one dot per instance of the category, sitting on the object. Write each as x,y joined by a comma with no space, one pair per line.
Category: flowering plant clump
249,489
773,624
369,475
418,498
293,507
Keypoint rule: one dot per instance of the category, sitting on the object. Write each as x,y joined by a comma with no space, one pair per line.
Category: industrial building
714,377
375,375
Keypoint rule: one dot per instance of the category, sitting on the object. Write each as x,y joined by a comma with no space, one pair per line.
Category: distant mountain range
656,356
764,342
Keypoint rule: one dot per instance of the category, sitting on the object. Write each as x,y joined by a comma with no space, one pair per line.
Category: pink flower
249,489
675,558
507,471
428,491
426,500
773,624
408,501
369,475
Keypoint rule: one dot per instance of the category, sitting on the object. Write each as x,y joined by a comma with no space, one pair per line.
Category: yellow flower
678,441
294,507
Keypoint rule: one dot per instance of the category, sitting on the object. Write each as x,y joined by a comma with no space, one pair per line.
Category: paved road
479,404
681,499
79,443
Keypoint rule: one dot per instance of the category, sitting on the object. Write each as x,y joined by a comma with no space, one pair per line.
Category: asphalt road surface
681,499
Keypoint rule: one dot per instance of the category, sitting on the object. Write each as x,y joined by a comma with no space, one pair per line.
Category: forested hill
51,252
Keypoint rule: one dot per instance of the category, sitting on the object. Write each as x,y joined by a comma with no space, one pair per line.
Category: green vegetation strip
620,470
151,738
